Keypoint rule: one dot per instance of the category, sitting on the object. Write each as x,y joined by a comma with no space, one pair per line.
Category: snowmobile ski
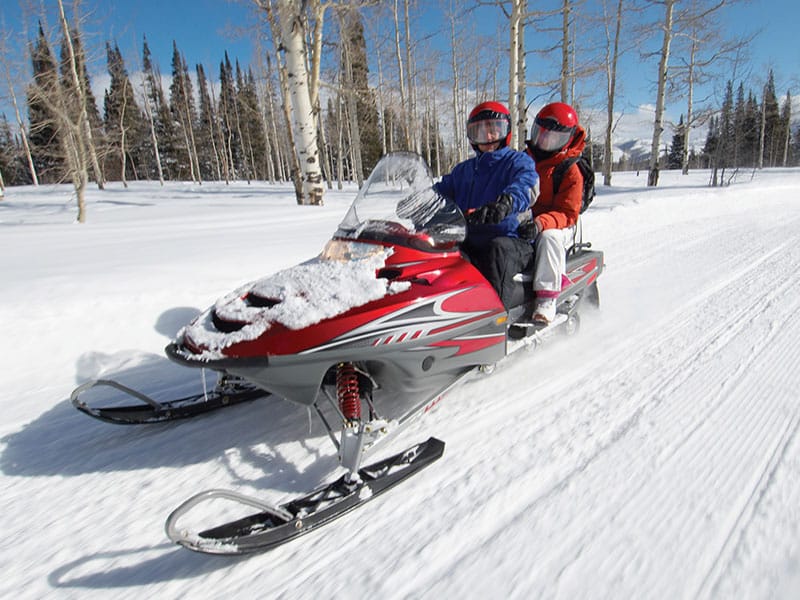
148,410
276,525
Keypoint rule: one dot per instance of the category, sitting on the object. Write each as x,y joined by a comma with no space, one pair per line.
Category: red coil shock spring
347,391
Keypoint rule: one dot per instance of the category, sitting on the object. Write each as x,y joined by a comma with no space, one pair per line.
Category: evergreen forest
236,123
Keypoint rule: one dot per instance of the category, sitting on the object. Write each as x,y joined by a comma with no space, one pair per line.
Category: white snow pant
551,260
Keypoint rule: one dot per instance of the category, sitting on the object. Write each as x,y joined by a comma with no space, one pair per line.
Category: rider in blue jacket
495,190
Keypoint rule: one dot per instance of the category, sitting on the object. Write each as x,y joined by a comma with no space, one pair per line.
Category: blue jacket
481,179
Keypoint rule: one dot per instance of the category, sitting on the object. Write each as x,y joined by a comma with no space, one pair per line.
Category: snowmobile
368,335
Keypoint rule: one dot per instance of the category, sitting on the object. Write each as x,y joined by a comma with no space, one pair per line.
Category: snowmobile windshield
398,204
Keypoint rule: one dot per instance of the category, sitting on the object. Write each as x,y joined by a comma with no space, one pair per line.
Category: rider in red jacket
556,136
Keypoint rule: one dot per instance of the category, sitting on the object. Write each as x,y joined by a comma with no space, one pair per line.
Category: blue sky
205,29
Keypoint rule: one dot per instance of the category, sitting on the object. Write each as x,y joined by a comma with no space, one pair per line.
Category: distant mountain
636,151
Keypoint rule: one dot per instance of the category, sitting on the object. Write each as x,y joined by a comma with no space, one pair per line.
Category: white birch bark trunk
123,138
84,124
658,125
289,13
689,112
788,131
458,126
612,90
762,129
23,133
401,77
515,61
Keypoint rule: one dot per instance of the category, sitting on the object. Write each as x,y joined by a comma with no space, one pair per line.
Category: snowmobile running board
276,525
152,411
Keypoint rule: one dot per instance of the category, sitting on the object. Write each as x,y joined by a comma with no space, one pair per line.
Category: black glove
494,212
529,230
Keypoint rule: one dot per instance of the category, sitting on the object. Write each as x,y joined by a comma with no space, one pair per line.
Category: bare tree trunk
20,121
271,149
401,78
348,88
788,132
762,130
212,135
187,143
689,111
248,167
339,144
611,70
273,130
516,65
318,10
293,38
122,138
658,126
291,155
153,137
221,147
194,161
413,130
79,89
226,136
565,51
458,126
381,104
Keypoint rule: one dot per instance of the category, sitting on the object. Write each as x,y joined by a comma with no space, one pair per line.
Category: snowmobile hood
395,241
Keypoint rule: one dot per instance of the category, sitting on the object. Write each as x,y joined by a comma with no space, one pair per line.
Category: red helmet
554,127
489,122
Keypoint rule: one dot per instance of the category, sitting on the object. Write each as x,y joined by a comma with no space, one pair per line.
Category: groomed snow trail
654,455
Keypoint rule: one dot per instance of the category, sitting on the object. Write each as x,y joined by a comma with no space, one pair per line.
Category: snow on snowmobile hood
341,278
396,205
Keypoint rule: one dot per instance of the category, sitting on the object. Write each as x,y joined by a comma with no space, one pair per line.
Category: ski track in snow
656,454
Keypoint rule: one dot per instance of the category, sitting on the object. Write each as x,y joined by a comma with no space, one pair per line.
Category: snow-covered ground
655,455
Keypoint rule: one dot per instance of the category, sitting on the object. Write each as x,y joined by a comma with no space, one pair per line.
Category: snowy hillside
655,455
636,151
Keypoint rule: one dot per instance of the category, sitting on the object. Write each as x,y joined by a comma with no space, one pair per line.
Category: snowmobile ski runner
148,410
273,526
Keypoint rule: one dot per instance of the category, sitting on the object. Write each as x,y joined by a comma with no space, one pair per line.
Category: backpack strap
560,170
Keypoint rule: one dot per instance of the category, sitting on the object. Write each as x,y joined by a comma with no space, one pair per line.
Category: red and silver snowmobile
369,334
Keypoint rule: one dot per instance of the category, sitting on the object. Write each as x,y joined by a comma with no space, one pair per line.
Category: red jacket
562,209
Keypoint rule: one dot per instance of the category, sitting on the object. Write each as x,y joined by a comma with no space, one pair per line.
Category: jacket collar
487,159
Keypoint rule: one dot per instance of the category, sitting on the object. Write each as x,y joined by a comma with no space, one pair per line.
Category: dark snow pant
503,258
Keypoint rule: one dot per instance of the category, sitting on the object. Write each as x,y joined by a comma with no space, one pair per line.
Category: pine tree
724,157
92,110
207,155
786,127
80,101
162,120
124,122
366,106
43,132
246,167
796,146
183,115
752,129
227,112
739,127
12,160
252,126
773,131
675,156
709,151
